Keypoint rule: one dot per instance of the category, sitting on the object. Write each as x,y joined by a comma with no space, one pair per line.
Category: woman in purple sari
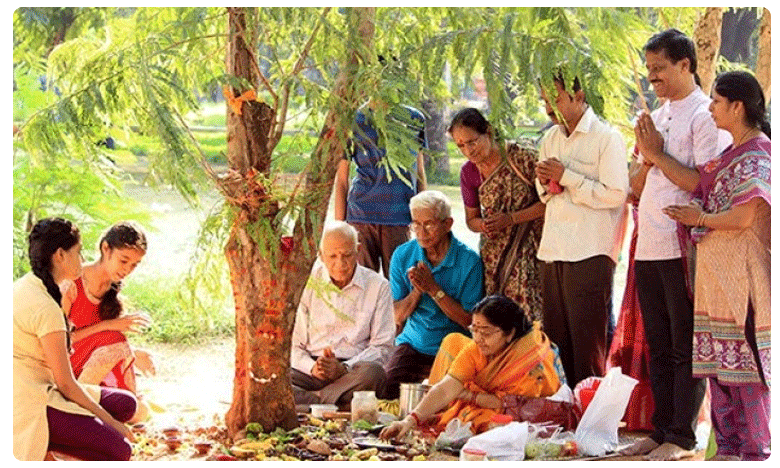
732,322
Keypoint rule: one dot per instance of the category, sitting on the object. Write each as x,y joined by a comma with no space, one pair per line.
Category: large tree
267,280
764,61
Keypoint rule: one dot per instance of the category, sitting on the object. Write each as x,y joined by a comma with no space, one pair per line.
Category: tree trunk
706,37
261,385
268,273
437,160
345,100
764,62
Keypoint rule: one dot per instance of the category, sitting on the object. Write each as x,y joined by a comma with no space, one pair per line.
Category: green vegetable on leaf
254,427
362,425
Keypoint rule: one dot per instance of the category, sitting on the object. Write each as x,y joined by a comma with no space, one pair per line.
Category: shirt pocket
584,165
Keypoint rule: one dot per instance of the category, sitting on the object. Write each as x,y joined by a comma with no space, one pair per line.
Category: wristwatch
439,295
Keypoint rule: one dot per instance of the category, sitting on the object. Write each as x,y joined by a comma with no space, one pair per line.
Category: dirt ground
193,384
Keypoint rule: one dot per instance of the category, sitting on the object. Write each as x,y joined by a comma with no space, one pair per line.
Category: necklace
742,138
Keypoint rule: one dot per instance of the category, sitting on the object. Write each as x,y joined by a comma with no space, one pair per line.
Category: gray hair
432,200
342,229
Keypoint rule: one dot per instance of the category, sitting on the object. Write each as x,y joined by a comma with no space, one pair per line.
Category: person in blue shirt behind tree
376,203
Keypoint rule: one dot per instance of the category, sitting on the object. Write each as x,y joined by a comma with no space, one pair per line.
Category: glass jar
365,406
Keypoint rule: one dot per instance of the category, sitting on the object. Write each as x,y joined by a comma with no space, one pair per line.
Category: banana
389,406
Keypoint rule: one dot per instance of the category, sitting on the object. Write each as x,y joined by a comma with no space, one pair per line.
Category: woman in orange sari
470,377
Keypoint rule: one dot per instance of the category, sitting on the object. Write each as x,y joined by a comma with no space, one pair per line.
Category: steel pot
411,394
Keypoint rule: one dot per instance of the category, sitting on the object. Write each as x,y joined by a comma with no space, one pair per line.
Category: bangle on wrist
416,418
700,220
474,398
703,220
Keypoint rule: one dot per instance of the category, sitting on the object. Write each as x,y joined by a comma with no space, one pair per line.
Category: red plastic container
587,394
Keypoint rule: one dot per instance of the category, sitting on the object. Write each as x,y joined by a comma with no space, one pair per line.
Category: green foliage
127,74
69,189
175,320
28,95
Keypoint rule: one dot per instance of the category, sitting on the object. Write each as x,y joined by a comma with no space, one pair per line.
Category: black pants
667,314
576,305
406,365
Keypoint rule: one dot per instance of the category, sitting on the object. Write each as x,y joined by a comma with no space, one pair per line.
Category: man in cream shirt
344,327
582,177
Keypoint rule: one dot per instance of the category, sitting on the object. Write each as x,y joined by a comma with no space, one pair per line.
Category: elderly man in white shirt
344,327
582,177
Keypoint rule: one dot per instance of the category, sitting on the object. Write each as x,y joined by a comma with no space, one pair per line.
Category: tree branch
277,136
203,159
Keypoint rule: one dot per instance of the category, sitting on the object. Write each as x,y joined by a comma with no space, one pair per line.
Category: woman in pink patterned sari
501,203
732,321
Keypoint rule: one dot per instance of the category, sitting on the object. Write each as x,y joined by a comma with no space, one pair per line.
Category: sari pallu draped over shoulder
733,271
509,255
528,367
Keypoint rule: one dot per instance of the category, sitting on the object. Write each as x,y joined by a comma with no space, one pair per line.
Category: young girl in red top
101,352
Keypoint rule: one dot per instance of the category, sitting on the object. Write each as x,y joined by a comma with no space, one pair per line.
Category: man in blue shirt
375,204
436,280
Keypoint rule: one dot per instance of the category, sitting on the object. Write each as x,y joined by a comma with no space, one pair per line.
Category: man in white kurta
344,326
678,136
582,177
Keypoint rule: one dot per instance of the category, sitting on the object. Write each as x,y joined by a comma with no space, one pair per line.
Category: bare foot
141,412
640,447
669,451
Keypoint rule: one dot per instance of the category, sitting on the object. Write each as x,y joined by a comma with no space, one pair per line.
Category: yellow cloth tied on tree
526,368
235,103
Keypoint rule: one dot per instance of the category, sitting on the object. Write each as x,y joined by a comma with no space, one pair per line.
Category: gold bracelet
700,220
703,219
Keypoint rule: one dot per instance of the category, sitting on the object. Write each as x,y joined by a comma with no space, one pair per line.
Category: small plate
373,442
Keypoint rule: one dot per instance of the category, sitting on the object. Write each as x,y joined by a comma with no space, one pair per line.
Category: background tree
764,62
706,38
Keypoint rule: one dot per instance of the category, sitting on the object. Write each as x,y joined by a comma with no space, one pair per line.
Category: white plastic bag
596,433
455,435
503,443
564,394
